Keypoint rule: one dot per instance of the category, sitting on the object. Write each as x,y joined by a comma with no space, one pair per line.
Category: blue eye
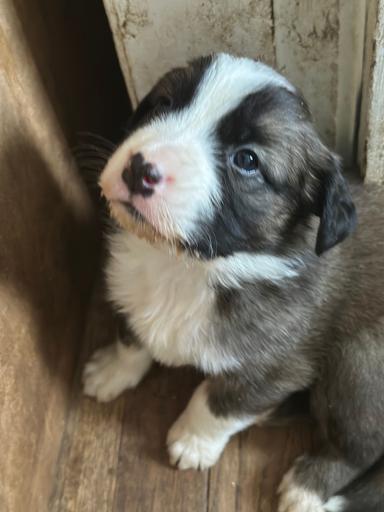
246,161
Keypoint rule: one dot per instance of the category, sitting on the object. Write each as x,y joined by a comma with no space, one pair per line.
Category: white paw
336,504
295,498
113,369
189,449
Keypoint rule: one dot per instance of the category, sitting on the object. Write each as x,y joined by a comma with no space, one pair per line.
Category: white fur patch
242,267
169,303
197,438
336,504
294,498
113,369
182,147
170,300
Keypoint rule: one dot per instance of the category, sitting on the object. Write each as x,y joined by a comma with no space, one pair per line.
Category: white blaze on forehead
225,83
188,136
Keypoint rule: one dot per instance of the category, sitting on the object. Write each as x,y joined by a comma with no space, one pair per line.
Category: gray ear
336,210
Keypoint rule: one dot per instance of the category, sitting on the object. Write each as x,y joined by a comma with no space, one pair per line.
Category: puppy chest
170,305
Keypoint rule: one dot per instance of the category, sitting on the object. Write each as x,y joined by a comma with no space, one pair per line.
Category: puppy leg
198,437
220,407
116,367
312,479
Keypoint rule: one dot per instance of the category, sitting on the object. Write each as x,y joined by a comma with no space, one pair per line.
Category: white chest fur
169,301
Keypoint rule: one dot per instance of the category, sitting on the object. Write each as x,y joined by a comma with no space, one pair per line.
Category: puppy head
222,157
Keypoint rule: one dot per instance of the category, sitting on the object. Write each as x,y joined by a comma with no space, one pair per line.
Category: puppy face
222,158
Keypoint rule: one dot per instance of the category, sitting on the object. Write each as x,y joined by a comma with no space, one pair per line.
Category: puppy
228,257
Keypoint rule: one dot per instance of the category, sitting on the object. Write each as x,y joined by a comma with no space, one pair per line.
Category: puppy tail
365,494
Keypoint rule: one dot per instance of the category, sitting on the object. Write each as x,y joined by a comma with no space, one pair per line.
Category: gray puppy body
285,330
224,162
322,331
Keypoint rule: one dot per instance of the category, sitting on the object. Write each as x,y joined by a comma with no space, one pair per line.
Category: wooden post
371,135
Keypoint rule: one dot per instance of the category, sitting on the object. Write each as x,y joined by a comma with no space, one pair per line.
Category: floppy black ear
336,210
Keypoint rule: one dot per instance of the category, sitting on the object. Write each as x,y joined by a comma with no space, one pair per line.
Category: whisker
96,137
91,160
90,150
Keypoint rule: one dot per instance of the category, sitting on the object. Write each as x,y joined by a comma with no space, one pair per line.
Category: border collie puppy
228,258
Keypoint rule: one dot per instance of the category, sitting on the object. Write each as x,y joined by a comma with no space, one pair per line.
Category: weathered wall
153,36
318,44
47,241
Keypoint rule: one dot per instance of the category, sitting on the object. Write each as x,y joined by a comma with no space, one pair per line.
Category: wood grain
252,466
85,476
146,480
371,153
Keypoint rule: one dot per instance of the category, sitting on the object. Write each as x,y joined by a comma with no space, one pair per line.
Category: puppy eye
246,161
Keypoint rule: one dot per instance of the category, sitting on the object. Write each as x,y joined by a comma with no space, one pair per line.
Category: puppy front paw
189,449
113,369
295,498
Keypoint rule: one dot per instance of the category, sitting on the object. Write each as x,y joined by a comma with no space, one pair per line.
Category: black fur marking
125,332
338,214
173,92
256,214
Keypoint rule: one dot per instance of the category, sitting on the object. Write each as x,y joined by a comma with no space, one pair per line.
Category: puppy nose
141,176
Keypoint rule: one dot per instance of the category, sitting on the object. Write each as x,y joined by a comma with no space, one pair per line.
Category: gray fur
323,330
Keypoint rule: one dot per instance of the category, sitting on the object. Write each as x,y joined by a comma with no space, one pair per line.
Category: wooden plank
146,481
47,246
352,17
85,480
152,37
85,477
369,54
371,136
42,290
252,466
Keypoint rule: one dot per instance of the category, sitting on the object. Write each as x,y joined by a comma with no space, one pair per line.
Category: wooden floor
114,459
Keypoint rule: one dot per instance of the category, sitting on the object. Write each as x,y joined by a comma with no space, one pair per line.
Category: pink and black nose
140,176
